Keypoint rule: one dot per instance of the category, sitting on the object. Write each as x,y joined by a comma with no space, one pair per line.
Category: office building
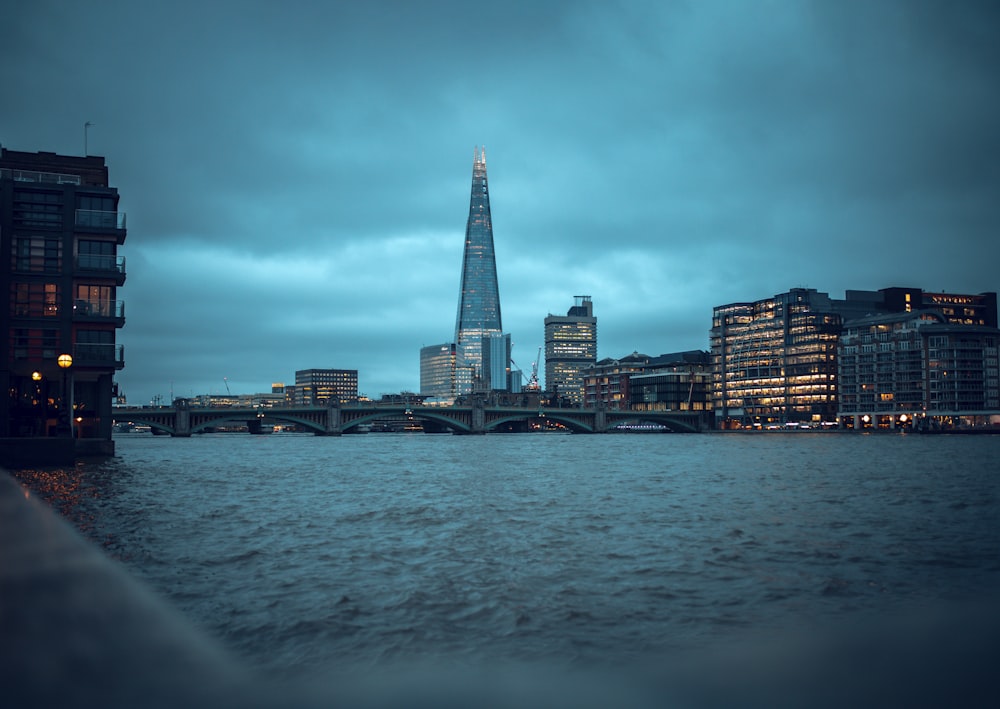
479,294
680,381
570,348
60,230
775,360
496,363
916,369
956,308
438,372
881,368
320,387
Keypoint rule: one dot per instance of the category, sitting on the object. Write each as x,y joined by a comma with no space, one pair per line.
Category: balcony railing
93,354
33,176
101,262
96,219
99,309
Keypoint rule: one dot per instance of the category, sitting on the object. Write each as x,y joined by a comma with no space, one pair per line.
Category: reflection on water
304,553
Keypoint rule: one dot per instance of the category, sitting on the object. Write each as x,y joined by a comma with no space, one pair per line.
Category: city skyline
295,176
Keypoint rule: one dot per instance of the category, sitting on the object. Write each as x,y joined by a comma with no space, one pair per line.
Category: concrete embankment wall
77,631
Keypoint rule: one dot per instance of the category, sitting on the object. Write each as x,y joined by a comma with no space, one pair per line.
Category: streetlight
65,362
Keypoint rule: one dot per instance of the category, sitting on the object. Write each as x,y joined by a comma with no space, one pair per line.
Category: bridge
475,418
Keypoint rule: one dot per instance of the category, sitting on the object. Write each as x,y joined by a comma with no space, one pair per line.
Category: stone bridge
475,418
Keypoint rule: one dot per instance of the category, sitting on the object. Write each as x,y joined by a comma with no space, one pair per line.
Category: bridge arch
573,424
152,422
449,422
671,422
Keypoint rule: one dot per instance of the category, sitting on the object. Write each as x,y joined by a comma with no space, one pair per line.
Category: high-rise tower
479,297
570,347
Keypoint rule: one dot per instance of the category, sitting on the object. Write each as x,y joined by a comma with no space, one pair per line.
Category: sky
296,175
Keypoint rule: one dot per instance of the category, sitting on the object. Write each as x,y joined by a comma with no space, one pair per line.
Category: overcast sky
296,175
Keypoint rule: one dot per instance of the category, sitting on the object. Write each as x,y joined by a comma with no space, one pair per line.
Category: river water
304,553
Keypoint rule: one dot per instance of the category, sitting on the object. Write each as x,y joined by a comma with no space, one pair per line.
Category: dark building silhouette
60,230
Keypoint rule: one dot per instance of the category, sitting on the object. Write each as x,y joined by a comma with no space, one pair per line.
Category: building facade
496,363
775,360
438,374
918,369
570,348
60,230
606,383
681,381
956,308
479,293
320,387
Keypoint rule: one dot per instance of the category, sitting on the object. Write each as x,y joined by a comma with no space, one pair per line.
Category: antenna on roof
86,125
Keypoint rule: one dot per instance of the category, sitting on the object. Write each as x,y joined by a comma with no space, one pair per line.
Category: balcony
94,355
99,311
54,178
101,265
96,220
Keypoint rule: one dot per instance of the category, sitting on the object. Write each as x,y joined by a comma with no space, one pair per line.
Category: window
97,203
95,345
37,254
34,343
37,209
34,300
97,255
93,300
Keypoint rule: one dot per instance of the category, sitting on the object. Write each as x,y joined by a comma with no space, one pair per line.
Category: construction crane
531,383
226,380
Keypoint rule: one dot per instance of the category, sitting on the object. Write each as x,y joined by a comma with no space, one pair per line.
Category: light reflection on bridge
474,418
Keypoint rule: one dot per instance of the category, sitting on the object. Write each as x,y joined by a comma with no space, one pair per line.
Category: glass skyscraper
479,295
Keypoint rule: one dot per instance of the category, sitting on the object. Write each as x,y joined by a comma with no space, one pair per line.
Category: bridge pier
600,420
478,418
182,423
333,420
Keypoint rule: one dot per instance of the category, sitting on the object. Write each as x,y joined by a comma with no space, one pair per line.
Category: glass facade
437,371
570,347
496,363
775,360
479,294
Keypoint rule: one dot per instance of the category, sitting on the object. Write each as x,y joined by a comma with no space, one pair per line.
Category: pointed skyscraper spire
479,296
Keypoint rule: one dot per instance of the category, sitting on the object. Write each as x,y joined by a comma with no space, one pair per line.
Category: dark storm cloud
296,175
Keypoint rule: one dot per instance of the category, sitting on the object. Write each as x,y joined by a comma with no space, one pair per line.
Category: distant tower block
570,347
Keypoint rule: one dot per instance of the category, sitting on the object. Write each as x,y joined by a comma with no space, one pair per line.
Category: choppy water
302,553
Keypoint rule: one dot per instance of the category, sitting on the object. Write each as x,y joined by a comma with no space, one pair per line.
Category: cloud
297,176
